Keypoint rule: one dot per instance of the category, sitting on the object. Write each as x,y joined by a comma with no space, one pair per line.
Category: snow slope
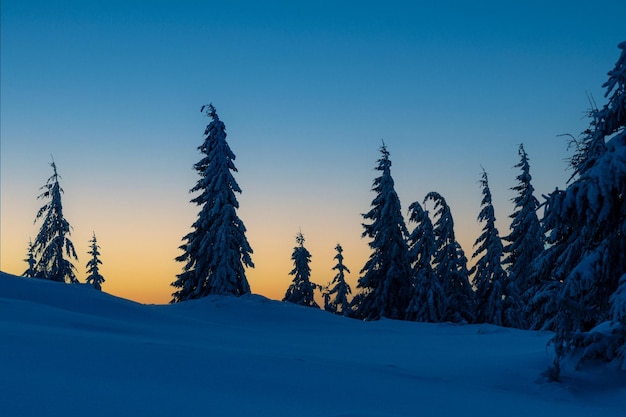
68,350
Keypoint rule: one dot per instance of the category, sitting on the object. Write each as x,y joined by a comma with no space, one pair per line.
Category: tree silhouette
428,303
216,251
52,243
301,291
94,278
386,282
30,260
497,298
450,264
584,267
526,240
336,296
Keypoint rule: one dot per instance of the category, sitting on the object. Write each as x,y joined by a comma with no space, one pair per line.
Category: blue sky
307,91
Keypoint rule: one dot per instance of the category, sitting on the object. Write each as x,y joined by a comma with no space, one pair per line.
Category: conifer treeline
421,274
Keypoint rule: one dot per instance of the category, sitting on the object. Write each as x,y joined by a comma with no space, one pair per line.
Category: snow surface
69,350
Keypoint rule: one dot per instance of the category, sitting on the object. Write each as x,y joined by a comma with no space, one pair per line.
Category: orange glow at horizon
142,269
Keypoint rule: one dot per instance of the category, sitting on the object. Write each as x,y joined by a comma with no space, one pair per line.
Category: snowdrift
68,350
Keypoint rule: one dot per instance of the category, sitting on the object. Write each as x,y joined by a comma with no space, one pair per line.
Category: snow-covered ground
68,350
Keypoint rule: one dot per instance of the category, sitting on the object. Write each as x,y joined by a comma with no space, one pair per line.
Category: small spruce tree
301,291
30,260
386,281
52,243
94,278
336,296
216,251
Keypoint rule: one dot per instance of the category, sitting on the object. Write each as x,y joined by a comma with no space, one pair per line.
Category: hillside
68,350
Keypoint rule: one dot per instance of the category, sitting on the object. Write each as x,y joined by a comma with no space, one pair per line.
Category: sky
308,91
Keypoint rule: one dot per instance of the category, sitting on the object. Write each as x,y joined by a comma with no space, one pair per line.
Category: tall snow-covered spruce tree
336,295
428,303
52,243
386,281
584,267
302,290
93,266
526,239
497,298
450,264
216,251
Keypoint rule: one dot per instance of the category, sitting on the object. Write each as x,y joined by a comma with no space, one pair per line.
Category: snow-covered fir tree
31,271
93,269
52,243
526,239
497,298
336,295
428,303
385,286
216,251
450,264
585,263
302,290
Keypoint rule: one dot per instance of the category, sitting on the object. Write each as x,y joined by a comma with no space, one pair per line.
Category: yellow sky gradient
139,240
